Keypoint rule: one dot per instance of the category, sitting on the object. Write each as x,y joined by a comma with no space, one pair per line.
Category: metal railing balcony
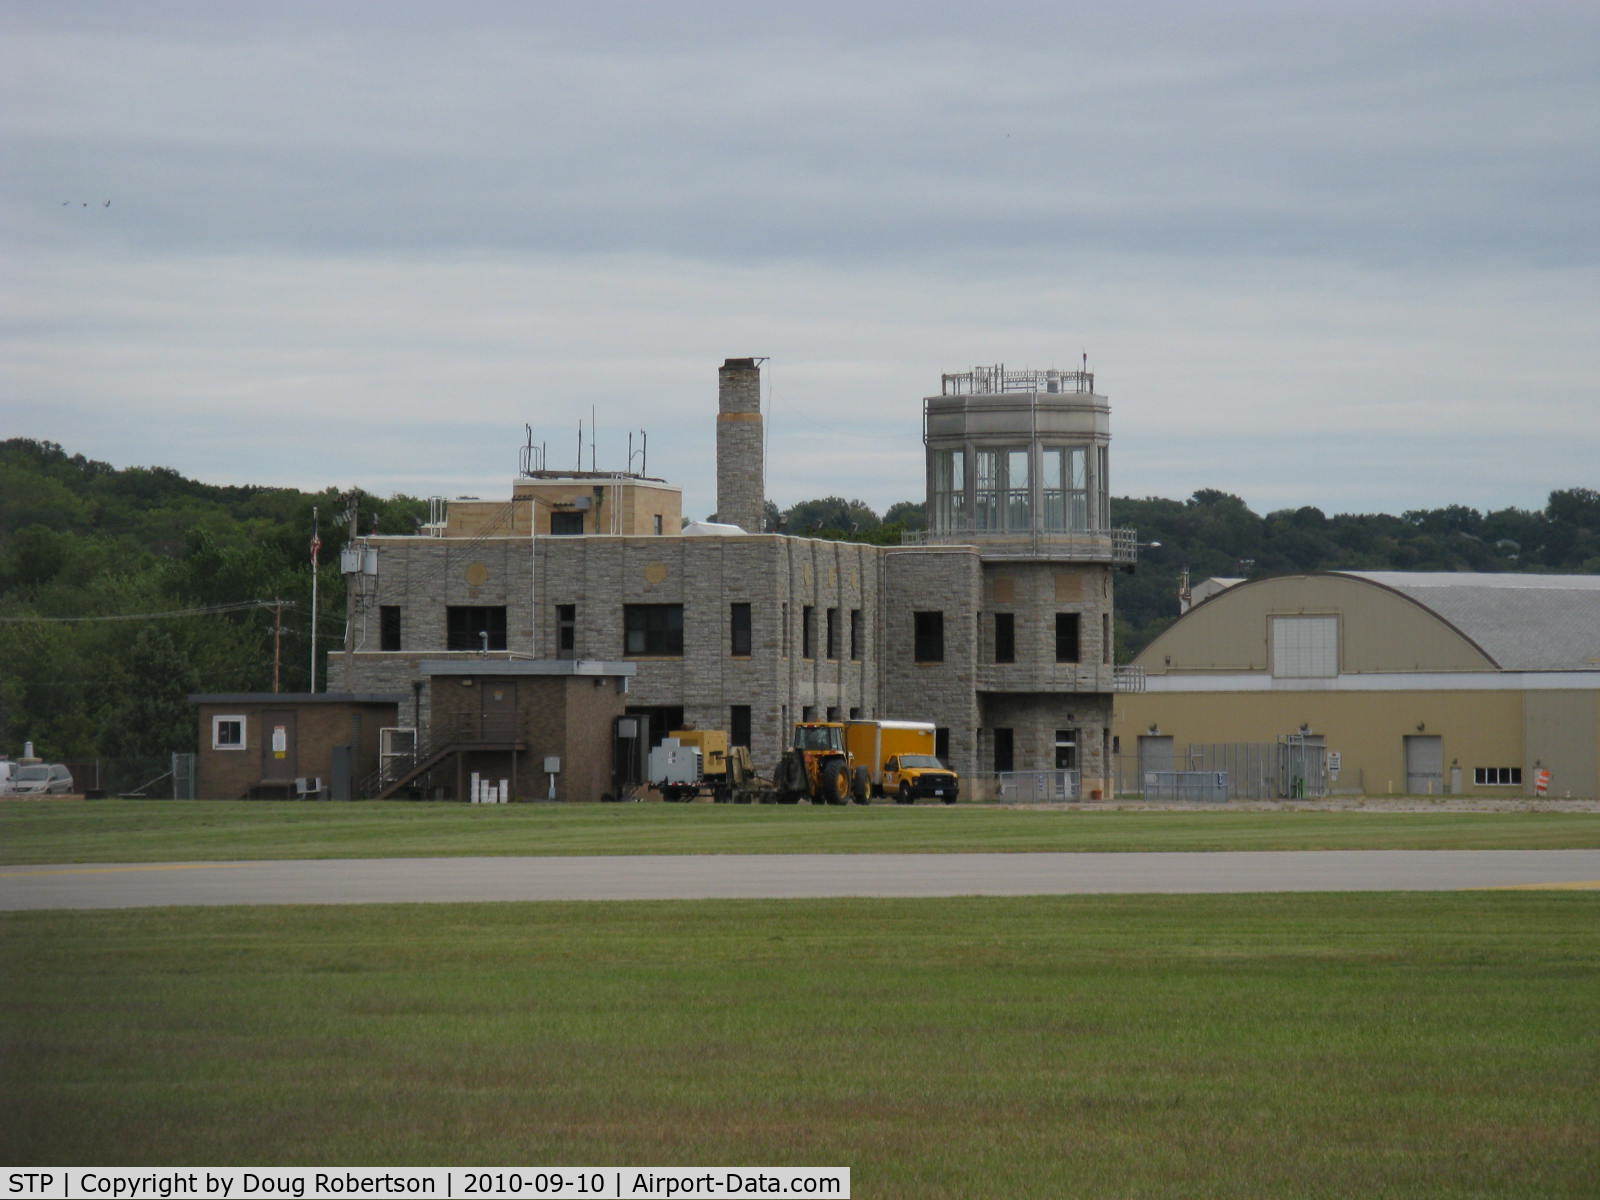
996,380
1088,545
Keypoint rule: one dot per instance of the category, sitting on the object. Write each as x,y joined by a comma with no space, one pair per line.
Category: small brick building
544,727
261,744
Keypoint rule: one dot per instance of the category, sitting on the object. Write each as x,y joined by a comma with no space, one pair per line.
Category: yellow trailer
899,760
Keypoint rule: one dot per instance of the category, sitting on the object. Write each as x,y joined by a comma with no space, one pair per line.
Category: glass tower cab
1018,464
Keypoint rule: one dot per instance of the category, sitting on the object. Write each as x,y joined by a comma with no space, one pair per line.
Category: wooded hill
82,539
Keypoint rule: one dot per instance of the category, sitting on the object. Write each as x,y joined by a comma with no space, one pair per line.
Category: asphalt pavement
756,876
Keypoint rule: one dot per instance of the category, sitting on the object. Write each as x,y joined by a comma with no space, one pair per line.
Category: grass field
1296,1045
176,831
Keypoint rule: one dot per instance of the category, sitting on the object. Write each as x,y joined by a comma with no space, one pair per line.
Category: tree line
82,539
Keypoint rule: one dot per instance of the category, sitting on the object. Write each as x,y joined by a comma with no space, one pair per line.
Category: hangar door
1424,764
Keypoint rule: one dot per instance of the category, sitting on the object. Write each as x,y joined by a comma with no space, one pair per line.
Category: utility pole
316,548
277,642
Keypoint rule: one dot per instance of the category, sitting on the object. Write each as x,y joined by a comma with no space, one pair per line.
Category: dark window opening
739,725
1005,637
833,633
929,631
566,630
475,627
855,635
566,523
941,744
1066,749
833,712
808,628
653,629
389,627
1066,637
1003,760
1105,638
663,719
739,630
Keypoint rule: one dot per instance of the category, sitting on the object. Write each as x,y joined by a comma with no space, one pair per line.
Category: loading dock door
1424,764
1155,754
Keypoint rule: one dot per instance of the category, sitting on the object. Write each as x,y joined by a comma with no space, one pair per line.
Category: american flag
316,541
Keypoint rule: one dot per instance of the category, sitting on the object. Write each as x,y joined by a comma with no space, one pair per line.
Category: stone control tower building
1017,467
741,467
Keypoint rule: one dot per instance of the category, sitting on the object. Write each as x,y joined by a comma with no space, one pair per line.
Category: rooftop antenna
579,467
593,424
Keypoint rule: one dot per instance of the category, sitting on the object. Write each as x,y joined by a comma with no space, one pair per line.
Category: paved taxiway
753,876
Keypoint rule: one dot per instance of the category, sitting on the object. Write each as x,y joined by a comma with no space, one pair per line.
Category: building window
928,628
941,744
227,733
739,725
1066,749
475,627
855,635
833,633
564,524
1102,488
1497,776
566,630
1005,637
986,504
389,627
855,712
658,524
1019,495
949,489
655,629
833,712
808,712
739,630
1105,638
1064,474
1305,647
787,634
1004,760
1066,637
808,631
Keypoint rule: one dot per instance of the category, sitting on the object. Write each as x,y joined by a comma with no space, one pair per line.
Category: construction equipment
818,767
693,762
899,759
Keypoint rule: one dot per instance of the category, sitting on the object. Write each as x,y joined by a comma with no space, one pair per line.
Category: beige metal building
1420,683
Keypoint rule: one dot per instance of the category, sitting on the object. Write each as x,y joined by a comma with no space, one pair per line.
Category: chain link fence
1292,768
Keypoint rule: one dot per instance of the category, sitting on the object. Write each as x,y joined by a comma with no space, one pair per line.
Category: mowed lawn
176,831
1283,1045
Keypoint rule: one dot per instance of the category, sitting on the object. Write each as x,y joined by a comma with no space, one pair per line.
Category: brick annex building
996,625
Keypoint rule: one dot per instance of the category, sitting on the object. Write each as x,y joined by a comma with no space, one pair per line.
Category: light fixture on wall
1154,728
1421,725
1305,727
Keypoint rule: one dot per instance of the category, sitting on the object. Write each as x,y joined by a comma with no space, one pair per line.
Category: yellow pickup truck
909,776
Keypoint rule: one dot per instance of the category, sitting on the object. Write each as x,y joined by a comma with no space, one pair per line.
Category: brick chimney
741,495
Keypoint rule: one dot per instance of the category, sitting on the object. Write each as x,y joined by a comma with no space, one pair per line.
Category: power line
206,611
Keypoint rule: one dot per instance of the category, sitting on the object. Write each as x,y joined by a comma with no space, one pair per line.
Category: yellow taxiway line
115,870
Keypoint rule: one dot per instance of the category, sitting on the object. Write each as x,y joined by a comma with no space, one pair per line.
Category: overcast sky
1339,254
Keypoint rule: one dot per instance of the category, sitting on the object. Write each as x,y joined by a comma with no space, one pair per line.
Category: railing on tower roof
993,380
1085,545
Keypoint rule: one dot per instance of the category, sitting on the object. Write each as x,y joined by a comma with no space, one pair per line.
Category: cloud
353,252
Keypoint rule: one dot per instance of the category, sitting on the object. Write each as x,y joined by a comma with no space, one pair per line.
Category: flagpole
316,544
